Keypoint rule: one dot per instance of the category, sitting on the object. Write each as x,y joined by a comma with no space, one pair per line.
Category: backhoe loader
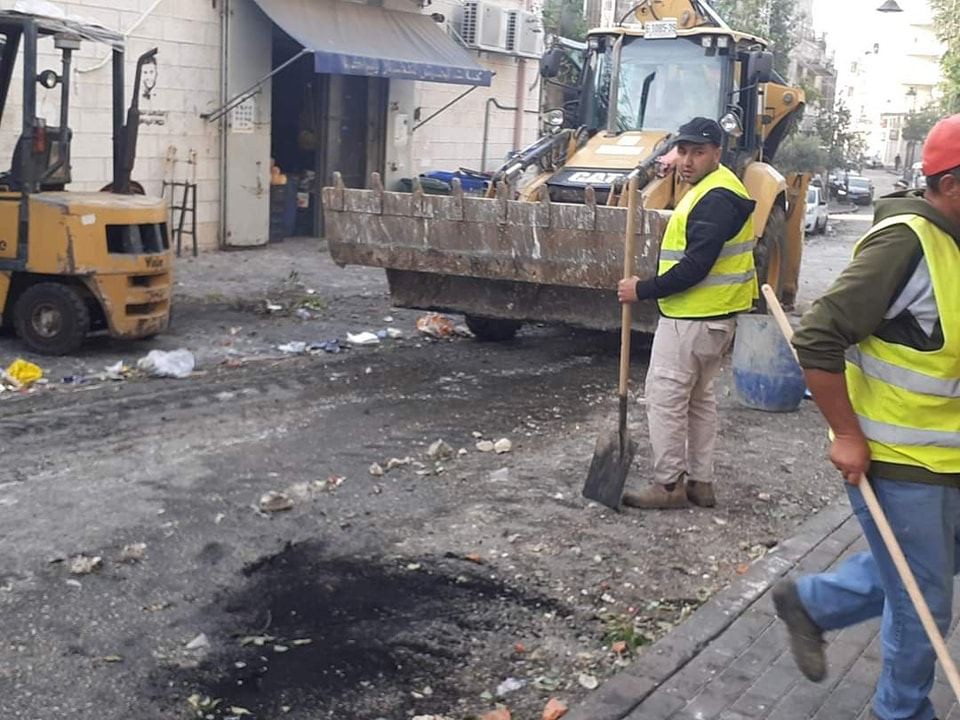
72,263
546,244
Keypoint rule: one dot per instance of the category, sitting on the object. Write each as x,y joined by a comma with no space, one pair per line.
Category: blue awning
350,38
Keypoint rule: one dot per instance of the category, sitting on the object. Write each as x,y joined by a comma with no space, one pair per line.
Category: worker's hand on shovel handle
627,290
851,456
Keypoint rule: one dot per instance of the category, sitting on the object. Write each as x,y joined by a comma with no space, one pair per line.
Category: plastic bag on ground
435,325
25,373
173,364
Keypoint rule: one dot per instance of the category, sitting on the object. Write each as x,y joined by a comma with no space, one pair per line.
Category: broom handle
626,316
886,532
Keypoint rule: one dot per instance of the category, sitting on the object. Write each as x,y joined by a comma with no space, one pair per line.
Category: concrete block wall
187,33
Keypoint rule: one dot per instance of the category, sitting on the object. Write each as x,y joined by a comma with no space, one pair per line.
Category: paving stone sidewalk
730,660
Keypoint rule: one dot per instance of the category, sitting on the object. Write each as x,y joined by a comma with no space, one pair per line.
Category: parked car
816,221
859,190
874,163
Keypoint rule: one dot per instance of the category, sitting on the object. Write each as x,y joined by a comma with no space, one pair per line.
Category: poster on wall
243,116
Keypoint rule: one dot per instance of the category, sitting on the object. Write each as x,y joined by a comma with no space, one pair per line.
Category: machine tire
769,253
487,329
67,318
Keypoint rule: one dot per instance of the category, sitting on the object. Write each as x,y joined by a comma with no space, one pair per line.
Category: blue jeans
926,522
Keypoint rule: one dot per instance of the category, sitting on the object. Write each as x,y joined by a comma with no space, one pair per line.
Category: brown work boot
658,497
806,639
701,493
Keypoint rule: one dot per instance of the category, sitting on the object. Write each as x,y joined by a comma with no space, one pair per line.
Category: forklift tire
51,318
770,253
492,329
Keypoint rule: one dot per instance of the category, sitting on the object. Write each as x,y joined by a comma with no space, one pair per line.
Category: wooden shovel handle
626,315
886,532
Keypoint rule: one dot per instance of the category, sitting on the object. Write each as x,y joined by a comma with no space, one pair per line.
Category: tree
565,18
802,153
773,20
916,125
836,135
946,17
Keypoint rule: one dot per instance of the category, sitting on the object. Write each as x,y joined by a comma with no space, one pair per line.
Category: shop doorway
322,124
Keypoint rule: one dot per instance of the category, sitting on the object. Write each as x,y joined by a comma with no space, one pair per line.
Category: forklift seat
12,180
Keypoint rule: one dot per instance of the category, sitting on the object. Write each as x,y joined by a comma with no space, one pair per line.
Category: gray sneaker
806,639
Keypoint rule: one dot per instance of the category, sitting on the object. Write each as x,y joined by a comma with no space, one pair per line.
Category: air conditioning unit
484,26
524,34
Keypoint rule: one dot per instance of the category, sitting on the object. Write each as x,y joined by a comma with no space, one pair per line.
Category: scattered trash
764,497
485,446
475,558
303,314
84,565
241,711
435,325
498,714
554,710
117,371
112,658
302,641
363,338
133,553
280,648
461,452
297,347
203,704
394,333
273,307
388,319
274,501
509,685
588,681
477,434
74,380
256,640
439,450
542,682
173,364
200,642
463,331
719,521
394,463
500,476
413,566
502,446
376,470
23,372
619,647
328,346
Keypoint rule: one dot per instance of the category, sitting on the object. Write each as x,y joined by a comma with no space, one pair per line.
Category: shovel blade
608,470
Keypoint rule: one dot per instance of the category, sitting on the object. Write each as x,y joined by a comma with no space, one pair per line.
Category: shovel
886,532
614,452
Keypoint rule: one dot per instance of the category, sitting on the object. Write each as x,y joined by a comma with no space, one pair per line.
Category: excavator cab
74,263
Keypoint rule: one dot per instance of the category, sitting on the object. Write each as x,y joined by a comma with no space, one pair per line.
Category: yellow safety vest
731,285
907,400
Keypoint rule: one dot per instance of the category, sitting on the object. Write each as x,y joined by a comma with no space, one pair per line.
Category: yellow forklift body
69,237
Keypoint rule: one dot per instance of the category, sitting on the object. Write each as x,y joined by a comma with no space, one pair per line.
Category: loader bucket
496,257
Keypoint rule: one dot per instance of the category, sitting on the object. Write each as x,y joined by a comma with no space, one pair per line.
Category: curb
626,690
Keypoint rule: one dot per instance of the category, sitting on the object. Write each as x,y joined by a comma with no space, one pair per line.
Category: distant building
812,67
895,73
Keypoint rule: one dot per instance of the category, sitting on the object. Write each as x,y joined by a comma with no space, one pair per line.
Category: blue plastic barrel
765,373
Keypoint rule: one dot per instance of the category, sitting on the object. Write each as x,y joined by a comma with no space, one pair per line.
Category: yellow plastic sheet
24,372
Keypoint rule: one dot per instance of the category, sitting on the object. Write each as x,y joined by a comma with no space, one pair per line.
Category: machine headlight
731,125
554,118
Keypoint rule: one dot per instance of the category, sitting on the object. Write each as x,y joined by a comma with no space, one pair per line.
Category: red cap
941,149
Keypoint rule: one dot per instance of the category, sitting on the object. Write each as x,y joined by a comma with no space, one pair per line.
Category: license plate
658,29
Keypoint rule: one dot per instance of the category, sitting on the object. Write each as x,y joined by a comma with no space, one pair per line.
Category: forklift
76,263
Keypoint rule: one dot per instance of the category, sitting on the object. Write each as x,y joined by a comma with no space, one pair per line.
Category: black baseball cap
699,131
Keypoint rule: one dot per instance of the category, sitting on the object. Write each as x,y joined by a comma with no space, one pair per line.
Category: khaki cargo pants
681,404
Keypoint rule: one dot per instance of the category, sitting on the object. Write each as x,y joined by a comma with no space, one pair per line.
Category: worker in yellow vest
705,277
881,354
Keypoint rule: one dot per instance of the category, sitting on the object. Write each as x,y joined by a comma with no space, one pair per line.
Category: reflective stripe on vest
731,285
908,400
